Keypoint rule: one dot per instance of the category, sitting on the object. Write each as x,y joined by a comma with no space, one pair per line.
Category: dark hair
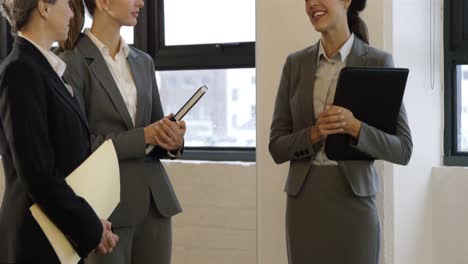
18,12
90,6
77,22
355,23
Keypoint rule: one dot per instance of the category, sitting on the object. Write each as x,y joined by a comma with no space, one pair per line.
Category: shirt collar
103,48
57,64
343,53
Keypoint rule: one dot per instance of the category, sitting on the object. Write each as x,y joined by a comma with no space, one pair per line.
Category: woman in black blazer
43,138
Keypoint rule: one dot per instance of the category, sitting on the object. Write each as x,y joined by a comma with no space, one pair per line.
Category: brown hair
18,12
76,25
77,22
355,23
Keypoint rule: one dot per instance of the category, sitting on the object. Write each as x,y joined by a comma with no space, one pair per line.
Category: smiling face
327,15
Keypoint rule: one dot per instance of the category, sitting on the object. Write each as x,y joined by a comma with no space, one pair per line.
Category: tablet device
374,96
190,103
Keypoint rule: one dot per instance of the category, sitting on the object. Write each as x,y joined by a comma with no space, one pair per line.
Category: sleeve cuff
149,149
174,155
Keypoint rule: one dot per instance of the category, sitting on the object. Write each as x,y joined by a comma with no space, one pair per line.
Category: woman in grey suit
118,91
331,214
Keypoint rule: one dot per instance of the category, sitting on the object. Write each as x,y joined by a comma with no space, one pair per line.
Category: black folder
190,103
374,96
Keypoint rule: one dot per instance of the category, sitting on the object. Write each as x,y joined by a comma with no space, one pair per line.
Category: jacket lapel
356,55
67,97
137,69
308,68
54,79
100,70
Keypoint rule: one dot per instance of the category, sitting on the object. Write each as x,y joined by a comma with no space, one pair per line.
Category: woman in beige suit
331,214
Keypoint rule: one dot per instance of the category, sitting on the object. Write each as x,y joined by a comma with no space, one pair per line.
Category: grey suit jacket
142,176
294,116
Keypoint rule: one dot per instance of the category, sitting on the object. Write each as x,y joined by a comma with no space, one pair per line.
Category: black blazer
43,138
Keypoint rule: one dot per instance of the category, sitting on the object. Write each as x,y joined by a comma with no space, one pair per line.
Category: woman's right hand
150,134
151,131
329,122
166,134
108,239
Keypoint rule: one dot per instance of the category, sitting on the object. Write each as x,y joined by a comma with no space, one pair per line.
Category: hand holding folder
178,117
97,180
374,96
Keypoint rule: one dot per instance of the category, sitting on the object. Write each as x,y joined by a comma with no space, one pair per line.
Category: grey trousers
149,242
327,223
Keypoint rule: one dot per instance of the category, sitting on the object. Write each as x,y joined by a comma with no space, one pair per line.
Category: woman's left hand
352,126
170,134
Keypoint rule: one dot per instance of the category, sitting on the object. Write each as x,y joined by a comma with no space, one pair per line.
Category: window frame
190,57
149,37
455,53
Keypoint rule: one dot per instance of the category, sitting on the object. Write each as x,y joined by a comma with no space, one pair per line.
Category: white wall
450,215
412,201
282,28
218,224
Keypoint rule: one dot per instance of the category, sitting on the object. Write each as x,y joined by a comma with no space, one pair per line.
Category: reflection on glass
189,22
224,117
463,101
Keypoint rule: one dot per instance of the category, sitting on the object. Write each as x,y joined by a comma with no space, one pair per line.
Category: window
234,121
235,95
207,22
456,83
465,73
197,43
463,102
201,35
208,122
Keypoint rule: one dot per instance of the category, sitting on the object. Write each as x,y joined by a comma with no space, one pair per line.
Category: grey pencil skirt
327,224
